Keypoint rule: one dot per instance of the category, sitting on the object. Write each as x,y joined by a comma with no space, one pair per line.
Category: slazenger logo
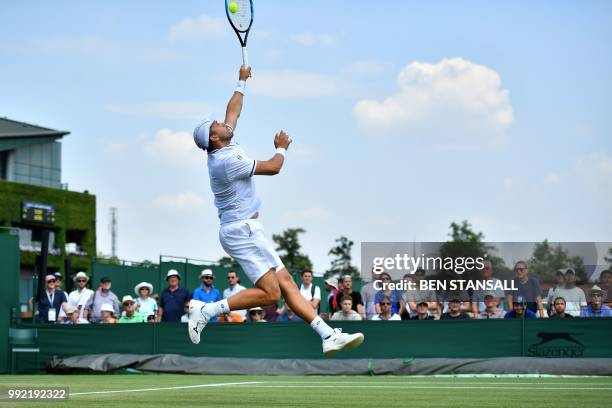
557,345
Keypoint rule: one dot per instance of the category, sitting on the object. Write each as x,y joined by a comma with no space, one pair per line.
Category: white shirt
307,292
574,299
82,298
229,292
394,316
230,171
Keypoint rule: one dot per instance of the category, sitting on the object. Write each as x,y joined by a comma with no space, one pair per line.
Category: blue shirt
605,311
209,297
230,171
529,290
173,304
395,297
528,315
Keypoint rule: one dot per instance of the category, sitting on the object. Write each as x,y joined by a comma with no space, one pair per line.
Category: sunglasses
207,277
385,303
51,280
81,280
129,303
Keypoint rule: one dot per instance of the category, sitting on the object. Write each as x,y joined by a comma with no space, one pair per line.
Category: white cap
49,277
81,275
201,133
173,272
333,282
71,309
107,307
206,272
127,298
143,285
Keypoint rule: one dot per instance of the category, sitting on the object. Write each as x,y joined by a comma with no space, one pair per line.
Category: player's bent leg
200,313
333,339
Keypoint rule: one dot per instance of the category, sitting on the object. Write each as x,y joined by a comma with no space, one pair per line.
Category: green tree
341,264
547,259
288,247
228,262
465,242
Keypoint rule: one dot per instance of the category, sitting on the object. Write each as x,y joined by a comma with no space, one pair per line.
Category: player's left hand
245,73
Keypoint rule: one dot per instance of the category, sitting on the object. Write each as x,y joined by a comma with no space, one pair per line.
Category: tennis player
232,181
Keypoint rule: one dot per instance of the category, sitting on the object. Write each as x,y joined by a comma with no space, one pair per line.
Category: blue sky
404,119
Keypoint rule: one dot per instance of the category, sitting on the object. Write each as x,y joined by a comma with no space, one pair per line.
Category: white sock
321,327
217,308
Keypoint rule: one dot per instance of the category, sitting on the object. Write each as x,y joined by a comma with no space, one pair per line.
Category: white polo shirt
82,298
229,292
307,292
230,171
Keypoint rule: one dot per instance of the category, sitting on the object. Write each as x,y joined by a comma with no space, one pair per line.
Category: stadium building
33,199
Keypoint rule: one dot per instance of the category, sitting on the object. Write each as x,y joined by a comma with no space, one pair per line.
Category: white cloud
309,39
176,147
200,28
307,214
164,110
179,202
456,102
294,84
367,67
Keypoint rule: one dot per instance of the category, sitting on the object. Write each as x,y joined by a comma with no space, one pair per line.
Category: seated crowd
564,300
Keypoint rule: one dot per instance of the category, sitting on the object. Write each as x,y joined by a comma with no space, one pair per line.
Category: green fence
9,290
452,339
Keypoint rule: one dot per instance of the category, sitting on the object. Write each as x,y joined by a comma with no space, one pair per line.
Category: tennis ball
233,7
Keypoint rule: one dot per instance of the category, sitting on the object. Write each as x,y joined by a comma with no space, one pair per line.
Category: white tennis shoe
341,341
198,319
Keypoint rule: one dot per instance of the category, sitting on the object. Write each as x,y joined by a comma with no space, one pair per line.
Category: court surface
171,391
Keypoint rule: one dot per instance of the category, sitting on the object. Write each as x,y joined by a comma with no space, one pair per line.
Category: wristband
281,151
241,87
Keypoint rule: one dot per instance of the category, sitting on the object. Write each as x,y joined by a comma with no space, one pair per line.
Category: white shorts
246,243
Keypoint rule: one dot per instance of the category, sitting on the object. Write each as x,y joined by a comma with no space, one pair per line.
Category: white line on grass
391,382
419,387
180,387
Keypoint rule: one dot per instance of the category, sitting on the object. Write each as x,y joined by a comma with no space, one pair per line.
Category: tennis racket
240,15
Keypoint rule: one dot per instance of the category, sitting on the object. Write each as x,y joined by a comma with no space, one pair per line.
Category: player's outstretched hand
282,139
245,73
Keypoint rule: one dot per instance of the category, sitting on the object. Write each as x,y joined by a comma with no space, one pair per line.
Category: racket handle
245,57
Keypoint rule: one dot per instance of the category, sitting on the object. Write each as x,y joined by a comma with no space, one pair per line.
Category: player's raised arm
234,107
274,165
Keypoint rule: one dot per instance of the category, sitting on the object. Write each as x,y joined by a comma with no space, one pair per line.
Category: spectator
386,310
145,305
72,312
519,311
368,294
331,287
559,309
288,316
397,301
108,313
309,291
605,283
82,297
233,288
58,282
418,295
172,299
478,297
347,290
131,315
422,312
528,288
596,308
574,296
185,316
257,315
454,311
560,283
346,311
461,295
491,311
104,295
152,319
207,291
50,302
